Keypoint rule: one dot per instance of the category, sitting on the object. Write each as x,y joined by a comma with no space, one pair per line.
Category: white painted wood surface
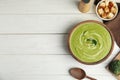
41,23
39,6
33,40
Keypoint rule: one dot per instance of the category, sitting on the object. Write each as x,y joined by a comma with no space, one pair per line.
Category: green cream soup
90,42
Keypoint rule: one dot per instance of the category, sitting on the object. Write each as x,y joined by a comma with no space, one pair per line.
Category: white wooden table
33,40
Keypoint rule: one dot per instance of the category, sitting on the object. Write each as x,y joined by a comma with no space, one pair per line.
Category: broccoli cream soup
90,42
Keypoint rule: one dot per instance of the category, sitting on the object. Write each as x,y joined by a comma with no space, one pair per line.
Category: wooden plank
53,77
41,23
34,67
57,77
35,44
40,6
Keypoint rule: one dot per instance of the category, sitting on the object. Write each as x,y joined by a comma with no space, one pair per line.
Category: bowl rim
104,18
93,63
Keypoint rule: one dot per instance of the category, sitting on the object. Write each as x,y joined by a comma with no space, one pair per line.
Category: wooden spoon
79,74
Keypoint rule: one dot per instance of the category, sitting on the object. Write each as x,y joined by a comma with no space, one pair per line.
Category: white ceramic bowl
105,18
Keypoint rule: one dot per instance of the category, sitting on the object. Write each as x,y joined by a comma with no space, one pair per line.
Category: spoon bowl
79,74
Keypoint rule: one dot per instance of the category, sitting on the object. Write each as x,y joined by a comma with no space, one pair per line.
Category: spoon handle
90,78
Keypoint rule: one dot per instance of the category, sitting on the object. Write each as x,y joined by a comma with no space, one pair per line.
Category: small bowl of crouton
106,11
